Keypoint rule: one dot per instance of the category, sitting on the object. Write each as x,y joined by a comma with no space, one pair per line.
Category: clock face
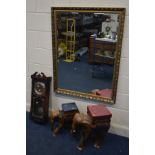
107,28
39,88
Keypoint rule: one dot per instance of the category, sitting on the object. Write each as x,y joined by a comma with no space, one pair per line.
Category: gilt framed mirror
86,51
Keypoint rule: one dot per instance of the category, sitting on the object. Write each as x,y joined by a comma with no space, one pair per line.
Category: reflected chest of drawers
102,46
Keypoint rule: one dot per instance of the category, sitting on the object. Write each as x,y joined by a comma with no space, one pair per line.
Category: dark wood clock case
40,97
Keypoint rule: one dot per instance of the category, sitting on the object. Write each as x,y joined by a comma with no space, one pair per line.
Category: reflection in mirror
86,51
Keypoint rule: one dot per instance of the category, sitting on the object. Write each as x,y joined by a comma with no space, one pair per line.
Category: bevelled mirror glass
86,51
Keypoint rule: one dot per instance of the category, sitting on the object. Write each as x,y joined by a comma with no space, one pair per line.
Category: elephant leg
100,135
85,135
77,119
74,126
61,123
54,117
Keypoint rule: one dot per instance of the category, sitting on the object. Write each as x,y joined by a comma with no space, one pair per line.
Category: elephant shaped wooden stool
89,128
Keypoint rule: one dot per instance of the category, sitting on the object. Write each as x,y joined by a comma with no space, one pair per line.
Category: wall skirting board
115,128
119,130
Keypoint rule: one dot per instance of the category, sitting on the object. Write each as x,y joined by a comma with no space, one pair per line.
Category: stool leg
52,124
77,119
85,135
100,135
74,126
54,116
57,130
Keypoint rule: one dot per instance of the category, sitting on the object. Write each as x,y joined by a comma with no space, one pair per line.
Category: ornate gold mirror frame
121,13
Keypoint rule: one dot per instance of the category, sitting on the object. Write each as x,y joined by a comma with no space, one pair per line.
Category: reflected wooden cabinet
101,51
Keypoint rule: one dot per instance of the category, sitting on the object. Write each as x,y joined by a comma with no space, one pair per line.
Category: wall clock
40,97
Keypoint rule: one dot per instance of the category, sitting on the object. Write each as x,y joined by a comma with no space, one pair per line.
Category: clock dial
108,28
39,88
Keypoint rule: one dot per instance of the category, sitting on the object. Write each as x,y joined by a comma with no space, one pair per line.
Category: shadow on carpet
39,141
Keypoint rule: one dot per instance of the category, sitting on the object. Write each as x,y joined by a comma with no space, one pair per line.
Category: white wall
39,56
